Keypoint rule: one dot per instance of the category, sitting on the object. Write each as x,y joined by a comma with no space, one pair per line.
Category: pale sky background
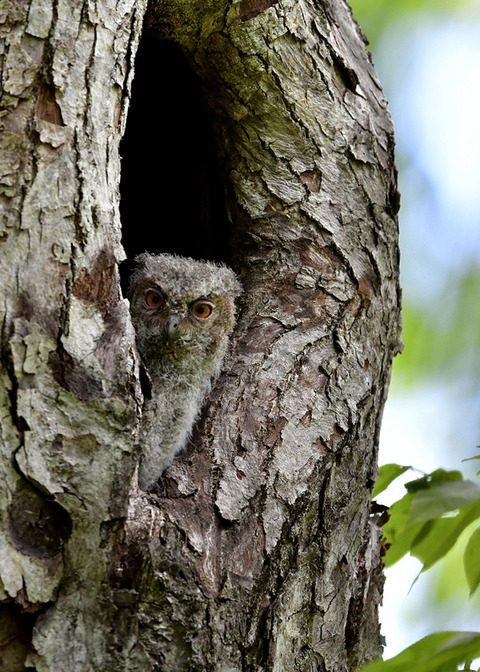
430,71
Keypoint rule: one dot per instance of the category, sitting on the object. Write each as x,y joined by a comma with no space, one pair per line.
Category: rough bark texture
67,394
258,550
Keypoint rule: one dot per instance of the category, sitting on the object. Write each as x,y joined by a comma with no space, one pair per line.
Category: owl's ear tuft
140,265
232,283
141,260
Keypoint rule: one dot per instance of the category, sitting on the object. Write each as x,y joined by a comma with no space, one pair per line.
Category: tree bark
258,550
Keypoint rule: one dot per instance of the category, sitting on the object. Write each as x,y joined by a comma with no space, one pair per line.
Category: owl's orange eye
202,309
154,299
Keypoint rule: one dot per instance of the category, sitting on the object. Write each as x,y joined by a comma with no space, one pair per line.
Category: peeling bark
257,551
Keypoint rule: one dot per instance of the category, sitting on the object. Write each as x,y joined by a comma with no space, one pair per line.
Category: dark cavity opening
172,195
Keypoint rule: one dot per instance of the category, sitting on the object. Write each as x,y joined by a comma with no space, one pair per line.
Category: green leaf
470,459
386,474
396,531
442,497
417,524
439,652
403,543
443,534
437,476
471,561
399,514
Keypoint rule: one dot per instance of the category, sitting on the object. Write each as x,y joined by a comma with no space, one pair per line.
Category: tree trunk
257,551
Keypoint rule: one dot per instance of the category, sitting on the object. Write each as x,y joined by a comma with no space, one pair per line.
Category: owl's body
183,312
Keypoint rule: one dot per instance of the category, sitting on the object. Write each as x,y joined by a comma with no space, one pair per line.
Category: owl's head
181,307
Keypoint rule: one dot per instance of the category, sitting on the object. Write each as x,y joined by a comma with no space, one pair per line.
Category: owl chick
183,312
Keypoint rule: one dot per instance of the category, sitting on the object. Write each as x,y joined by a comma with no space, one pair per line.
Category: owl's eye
154,299
202,309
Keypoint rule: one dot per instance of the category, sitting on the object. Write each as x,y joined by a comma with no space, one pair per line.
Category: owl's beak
172,325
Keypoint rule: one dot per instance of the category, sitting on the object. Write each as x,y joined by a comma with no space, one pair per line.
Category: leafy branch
427,522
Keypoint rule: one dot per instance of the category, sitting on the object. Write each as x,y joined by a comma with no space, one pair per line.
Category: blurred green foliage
437,521
442,340
375,15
